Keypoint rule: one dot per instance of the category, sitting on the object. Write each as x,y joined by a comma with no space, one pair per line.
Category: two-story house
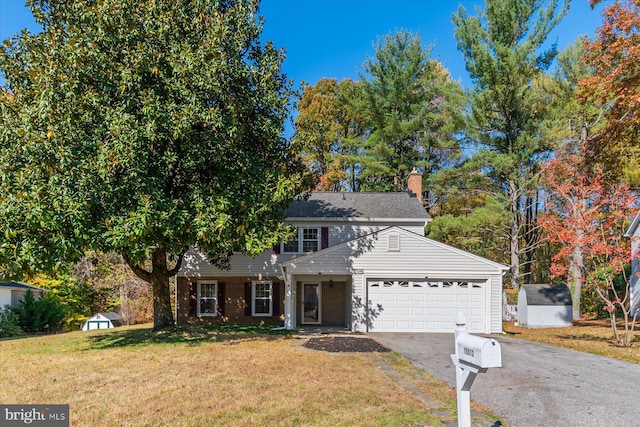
361,261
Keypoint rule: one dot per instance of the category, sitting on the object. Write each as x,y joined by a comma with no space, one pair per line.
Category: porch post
289,303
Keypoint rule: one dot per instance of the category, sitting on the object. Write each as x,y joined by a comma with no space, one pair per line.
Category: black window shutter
324,237
221,299
247,299
193,299
275,300
276,249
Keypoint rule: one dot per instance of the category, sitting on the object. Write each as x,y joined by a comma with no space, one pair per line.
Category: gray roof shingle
359,205
547,294
19,285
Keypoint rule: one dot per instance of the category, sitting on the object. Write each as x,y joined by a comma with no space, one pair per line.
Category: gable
395,250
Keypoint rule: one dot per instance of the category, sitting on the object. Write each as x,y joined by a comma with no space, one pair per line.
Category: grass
589,336
235,376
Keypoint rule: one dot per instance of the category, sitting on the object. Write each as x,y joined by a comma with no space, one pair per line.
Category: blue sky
332,38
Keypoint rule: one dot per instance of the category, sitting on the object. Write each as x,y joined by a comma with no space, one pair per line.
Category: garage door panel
408,307
433,298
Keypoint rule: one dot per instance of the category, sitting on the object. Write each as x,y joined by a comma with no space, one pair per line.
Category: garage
426,305
399,281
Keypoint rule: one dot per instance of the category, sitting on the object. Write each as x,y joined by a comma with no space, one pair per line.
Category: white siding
495,309
195,264
418,255
344,231
5,297
635,271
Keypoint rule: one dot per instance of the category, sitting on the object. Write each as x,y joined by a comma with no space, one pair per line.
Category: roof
109,315
19,285
547,294
359,205
633,227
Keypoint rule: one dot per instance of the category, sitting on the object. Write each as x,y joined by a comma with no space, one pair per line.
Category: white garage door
425,306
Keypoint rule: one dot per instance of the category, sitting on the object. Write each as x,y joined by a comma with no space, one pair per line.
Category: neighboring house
360,261
634,233
13,292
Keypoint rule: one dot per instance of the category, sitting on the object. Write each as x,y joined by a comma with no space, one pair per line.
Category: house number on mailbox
468,351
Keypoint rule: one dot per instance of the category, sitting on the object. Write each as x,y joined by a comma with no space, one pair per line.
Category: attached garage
399,281
426,305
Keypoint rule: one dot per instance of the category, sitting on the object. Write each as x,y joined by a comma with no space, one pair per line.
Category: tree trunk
514,246
576,263
531,237
159,278
576,260
162,312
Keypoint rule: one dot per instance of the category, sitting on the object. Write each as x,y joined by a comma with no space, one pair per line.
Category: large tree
143,127
615,84
329,132
503,46
413,111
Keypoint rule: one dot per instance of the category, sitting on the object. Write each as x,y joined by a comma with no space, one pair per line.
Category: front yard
130,376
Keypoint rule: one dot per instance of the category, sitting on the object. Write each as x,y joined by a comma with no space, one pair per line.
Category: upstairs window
305,240
310,241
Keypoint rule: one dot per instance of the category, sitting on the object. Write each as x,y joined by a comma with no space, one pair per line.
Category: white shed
102,321
544,306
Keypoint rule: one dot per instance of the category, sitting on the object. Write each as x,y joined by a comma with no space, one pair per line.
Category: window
292,245
306,240
310,240
261,294
208,298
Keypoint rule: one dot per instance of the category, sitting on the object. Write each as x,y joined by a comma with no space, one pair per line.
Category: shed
544,306
102,321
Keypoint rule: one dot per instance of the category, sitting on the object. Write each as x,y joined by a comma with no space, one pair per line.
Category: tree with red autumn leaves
615,85
586,218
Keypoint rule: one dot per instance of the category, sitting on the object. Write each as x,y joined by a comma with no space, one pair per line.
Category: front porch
318,301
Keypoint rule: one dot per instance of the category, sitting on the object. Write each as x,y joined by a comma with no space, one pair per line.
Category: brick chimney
414,184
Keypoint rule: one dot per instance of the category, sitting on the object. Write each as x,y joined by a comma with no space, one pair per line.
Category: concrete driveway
538,384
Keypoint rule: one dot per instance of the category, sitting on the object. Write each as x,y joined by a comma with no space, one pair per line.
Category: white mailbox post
473,355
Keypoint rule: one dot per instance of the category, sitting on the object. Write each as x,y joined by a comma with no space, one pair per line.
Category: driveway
538,384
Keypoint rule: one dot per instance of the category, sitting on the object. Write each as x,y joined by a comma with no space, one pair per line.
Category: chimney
414,184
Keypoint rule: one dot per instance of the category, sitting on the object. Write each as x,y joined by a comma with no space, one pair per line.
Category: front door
311,307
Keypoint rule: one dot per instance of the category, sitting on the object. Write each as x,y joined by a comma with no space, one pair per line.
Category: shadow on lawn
191,336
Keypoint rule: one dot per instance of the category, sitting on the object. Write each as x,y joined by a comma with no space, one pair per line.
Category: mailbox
473,355
478,351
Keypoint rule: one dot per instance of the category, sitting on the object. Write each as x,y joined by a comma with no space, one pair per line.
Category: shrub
9,323
43,315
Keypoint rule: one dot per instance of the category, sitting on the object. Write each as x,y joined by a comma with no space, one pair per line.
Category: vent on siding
394,242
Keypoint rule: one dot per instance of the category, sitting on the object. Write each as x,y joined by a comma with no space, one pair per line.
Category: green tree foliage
480,231
503,47
329,132
413,111
45,314
9,322
143,127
